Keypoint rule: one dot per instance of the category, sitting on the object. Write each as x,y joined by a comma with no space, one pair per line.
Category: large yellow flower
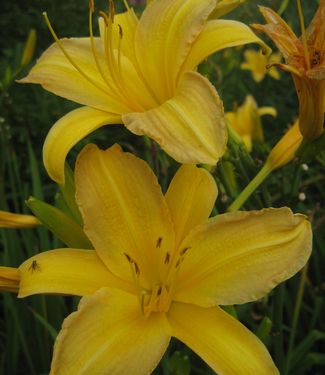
305,59
142,73
160,268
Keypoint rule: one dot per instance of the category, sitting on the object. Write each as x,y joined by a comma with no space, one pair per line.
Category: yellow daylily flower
142,73
284,151
160,268
9,279
246,121
11,220
258,63
305,59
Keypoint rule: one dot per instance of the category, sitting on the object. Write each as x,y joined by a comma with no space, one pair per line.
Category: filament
57,40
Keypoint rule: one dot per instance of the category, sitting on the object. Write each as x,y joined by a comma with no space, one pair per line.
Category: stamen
159,241
92,43
91,6
128,257
303,34
167,258
126,5
184,251
104,16
57,40
111,8
136,268
120,30
179,262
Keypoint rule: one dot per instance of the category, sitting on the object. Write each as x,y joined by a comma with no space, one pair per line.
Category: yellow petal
284,151
164,36
56,74
217,35
11,220
226,345
124,211
65,271
190,127
225,6
239,257
67,132
109,335
9,279
190,198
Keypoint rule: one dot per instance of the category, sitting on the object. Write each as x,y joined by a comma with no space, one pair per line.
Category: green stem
250,188
278,326
295,317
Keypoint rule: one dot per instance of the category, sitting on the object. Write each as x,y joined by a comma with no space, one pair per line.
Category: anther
111,10
159,291
184,251
136,268
104,16
167,258
178,263
120,30
128,257
91,6
159,241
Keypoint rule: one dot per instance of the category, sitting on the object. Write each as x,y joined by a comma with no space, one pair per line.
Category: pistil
303,34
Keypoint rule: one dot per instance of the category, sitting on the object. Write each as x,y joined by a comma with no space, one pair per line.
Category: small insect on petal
34,266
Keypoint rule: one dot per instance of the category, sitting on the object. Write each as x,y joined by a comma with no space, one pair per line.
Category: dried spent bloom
142,73
160,268
246,121
305,60
257,63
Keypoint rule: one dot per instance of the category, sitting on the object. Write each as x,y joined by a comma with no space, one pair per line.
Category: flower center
159,296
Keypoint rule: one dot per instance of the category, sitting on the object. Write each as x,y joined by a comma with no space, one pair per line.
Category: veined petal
239,257
163,39
217,35
190,127
11,220
190,197
66,271
125,213
226,345
67,132
109,335
57,75
225,6
9,279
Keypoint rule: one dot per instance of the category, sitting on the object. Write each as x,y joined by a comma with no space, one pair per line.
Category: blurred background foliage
289,321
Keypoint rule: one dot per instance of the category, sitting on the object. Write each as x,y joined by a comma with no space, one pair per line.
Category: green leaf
66,229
